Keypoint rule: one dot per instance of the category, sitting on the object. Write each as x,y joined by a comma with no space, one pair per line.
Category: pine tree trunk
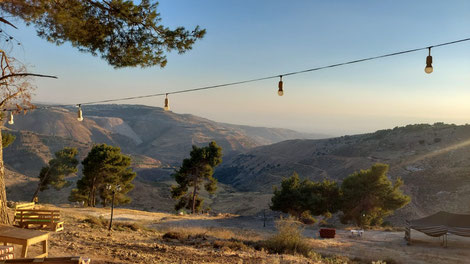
194,198
4,219
41,181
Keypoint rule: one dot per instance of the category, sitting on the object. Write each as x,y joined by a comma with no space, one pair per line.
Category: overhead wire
277,75
260,78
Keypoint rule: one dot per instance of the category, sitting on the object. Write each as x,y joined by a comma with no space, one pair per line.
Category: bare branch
11,96
7,22
22,74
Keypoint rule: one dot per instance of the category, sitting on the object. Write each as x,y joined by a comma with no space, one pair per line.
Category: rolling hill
433,161
156,140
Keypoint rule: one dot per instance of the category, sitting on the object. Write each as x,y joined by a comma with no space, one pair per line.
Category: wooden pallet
42,218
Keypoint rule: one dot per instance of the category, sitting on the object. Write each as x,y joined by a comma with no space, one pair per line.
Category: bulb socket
428,68
167,104
79,114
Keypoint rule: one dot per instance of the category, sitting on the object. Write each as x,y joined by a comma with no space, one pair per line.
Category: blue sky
248,39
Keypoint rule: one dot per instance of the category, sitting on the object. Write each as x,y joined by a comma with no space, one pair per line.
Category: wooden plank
37,222
56,260
37,210
15,232
25,206
30,216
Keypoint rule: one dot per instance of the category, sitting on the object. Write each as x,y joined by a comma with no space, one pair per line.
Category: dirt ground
146,245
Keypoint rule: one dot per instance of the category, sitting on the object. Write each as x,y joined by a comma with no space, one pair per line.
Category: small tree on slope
64,164
194,171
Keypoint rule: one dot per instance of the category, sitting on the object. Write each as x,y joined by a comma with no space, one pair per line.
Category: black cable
277,76
271,77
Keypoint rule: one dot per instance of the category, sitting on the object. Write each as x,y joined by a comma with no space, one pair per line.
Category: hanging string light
280,92
428,68
10,119
167,103
79,113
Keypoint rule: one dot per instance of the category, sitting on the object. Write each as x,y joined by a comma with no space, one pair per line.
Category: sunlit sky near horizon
248,39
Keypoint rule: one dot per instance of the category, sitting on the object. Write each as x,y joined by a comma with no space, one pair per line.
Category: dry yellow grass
220,233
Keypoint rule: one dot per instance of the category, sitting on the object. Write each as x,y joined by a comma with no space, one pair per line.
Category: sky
249,39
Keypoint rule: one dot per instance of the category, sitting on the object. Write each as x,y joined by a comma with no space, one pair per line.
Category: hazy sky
249,39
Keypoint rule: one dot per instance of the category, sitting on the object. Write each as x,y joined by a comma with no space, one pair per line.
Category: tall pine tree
104,165
195,171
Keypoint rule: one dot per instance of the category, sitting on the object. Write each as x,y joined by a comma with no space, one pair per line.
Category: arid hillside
143,130
156,140
433,161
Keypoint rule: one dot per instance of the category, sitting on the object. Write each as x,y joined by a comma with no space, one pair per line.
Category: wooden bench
39,217
60,260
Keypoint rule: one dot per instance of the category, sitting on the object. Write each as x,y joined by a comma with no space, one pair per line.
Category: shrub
123,226
289,240
175,235
307,219
230,244
96,221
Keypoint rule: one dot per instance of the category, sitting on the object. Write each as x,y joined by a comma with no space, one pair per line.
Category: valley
255,159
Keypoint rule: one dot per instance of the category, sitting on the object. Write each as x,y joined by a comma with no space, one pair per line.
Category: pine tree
63,164
369,196
194,171
124,33
297,197
104,165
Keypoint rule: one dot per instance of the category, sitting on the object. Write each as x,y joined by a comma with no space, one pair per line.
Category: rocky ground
146,237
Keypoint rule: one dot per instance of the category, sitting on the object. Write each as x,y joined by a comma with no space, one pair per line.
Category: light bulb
280,92
79,113
428,68
10,119
167,104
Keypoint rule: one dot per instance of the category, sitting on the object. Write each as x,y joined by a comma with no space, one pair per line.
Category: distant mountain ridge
433,161
145,130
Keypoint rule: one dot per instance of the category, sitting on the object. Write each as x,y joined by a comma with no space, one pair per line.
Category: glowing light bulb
79,113
428,68
167,103
10,119
280,92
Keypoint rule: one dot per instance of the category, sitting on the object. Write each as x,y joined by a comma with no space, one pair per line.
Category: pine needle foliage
195,171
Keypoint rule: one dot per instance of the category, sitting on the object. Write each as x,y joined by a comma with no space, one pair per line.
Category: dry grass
218,233
100,222
289,240
232,245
